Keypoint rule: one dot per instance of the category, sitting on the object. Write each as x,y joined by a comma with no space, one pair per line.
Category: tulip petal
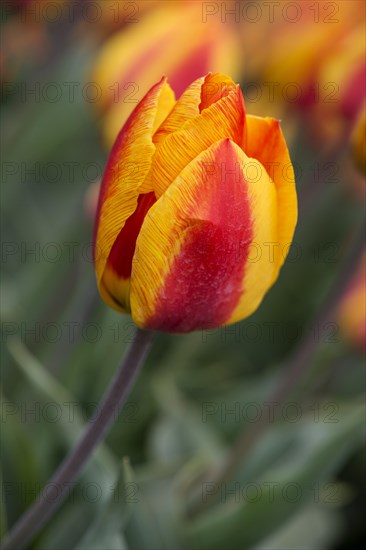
190,268
117,273
214,87
264,141
186,108
223,119
198,96
127,167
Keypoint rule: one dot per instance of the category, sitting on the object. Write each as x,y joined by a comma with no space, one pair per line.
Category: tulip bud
197,209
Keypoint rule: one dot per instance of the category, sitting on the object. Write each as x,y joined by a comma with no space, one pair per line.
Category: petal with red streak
127,168
191,256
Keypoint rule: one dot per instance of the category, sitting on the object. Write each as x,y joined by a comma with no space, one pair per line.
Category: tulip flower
197,209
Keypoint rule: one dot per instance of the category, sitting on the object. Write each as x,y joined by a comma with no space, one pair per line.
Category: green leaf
260,505
17,443
48,387
105,531
326,526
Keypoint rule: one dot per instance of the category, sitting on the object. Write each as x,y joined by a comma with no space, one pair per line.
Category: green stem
29,525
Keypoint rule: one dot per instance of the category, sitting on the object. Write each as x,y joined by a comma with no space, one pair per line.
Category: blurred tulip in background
352,310
171,40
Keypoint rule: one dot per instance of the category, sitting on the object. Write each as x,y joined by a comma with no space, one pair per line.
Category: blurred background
249,436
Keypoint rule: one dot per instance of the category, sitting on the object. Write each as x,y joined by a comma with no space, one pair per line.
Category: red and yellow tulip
317,68
197,209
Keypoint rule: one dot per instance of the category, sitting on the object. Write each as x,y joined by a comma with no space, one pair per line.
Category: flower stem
29,525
